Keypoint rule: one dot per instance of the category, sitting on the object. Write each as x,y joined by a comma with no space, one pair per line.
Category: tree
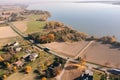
83,61
4,77
8,64
1,59
44,78
28,69
51,37
14,68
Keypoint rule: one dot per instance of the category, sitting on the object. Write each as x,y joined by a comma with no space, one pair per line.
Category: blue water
93,18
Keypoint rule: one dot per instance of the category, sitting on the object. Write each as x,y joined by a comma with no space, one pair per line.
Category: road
81,51
38,45
54,53
59,77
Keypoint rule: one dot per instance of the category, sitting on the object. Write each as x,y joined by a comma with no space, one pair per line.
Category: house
15,44
17,49
19,63
53,69
88,75
33,56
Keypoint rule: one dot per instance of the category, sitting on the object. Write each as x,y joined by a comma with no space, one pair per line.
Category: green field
114,77
98,75
1,52
33,17
42,59
33,25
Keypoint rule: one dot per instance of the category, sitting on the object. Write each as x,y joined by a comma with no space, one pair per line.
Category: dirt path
70,72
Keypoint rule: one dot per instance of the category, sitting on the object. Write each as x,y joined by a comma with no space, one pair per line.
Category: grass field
42,59
114,77
33,25
1,72
98,75
1,52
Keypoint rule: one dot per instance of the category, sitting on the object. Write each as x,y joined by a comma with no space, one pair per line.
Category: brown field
103,54
22,76
6,32
21,25
71,72
67,48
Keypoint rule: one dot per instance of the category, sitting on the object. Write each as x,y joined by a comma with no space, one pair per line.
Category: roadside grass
114,77
98,75
2,25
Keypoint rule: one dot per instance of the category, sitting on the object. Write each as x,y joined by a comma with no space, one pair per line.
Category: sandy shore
6,32
67,48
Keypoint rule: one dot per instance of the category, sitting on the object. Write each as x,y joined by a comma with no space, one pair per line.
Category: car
46,49
114,71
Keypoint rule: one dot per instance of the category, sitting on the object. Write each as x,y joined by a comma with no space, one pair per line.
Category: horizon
32,1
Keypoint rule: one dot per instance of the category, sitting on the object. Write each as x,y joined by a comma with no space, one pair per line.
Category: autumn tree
1,59
83,62
4,77
28,69
51,37
44,78
8,65
14,68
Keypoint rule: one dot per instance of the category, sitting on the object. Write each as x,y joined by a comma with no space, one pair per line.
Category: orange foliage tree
4,77
1,59
51,37
14,68
28,69
44,78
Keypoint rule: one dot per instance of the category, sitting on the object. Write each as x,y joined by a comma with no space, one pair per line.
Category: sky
27,1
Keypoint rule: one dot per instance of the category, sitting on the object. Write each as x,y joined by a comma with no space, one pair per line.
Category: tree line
57,31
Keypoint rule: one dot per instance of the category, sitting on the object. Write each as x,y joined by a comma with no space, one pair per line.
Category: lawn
114,77
98,75
1,52
1,72
42,59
